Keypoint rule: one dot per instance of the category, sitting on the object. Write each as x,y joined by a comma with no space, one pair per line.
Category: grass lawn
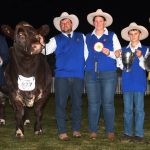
49,141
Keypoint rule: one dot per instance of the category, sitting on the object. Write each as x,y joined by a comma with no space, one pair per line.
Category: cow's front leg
19,113
26,117
38,116
2,113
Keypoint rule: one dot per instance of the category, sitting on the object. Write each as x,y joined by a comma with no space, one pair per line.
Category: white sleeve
86,52
119,63
142,59
116,46
1,61
50,47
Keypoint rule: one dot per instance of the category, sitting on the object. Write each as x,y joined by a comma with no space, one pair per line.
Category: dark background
38,12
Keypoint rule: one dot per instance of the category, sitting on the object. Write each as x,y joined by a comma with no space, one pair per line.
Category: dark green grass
49,140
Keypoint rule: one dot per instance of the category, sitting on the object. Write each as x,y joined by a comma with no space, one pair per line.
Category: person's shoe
93,135
76,134
111,136
126,138
63,137
138,139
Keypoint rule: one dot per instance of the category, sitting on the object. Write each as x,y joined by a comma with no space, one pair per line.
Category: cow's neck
26,64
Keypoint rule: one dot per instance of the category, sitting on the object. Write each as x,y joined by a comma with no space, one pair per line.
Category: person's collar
136,47
105,31
71,34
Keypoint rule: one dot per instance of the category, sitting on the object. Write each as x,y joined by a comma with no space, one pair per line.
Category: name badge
26,84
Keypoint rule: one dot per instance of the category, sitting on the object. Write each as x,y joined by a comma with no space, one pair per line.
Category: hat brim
125,31
73,18
108,18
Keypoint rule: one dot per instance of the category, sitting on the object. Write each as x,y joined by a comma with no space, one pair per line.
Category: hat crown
99,11
133,24
64,14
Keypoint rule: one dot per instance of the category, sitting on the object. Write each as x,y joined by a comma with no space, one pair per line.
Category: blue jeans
65,87
133,106
101,89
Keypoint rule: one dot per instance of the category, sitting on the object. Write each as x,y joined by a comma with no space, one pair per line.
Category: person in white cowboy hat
134,82
101,72
70,52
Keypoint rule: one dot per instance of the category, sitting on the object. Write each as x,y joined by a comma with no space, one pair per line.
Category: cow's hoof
2,121
19,134
38,132
27,122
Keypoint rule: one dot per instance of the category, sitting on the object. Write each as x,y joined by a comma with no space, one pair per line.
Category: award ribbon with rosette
98,48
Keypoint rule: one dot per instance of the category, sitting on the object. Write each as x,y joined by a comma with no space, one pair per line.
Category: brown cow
28,74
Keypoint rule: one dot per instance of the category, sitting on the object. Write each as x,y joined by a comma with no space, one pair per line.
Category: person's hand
106,51
1,61
138,53
117,53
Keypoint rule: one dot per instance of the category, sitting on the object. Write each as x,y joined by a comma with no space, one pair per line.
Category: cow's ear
43,30
7,31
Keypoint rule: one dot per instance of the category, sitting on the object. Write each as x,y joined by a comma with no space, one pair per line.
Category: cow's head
26,37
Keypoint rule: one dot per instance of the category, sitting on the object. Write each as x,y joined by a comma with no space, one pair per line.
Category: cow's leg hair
2,113
38,116
19,113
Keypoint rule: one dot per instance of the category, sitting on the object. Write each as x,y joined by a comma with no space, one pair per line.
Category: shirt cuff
112,55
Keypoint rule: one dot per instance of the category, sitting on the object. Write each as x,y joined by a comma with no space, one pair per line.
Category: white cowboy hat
99,12
64,15
133,25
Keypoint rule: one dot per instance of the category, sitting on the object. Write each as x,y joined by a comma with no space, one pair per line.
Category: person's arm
86,52
50,47
1,61
118,59
142,59
116,46
4,54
